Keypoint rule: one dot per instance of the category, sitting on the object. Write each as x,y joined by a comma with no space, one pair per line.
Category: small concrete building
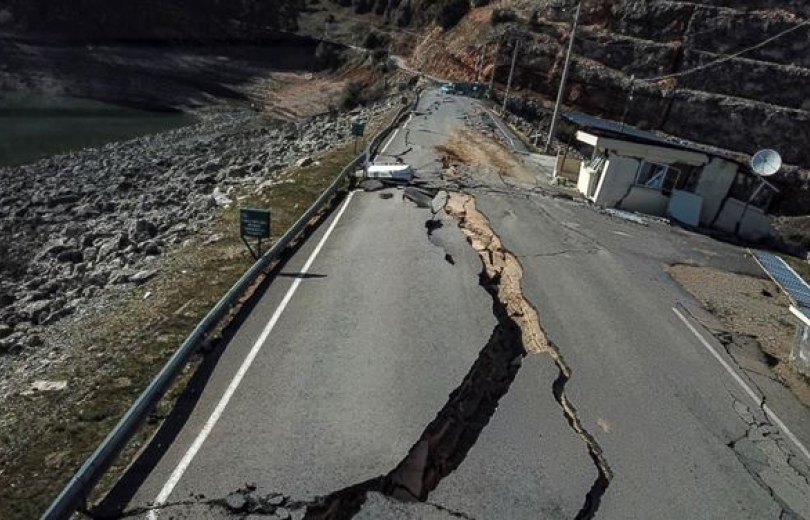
639,171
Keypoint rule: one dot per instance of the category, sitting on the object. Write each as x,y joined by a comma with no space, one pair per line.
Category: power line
729,57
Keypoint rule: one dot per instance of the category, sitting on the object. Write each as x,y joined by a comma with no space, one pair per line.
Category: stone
35,310
236,502
282,514
220,198
150,248
276,499
371,185
143,276
305,161
141,230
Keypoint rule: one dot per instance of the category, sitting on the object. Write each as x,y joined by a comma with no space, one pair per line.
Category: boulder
305,161
143,276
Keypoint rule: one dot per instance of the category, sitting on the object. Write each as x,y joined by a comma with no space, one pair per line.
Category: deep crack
505,267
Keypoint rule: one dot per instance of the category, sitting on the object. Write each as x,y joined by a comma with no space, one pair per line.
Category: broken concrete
503,266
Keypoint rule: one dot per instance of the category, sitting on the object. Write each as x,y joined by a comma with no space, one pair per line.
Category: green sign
358,129
254,222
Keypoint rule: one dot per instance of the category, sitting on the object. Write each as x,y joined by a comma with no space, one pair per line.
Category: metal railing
76,493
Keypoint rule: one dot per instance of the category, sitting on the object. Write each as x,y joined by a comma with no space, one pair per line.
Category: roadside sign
254,223
358,129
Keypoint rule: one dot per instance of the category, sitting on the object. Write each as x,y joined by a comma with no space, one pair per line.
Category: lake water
33,127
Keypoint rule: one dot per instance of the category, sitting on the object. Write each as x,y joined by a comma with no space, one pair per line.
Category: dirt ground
754,309
487,155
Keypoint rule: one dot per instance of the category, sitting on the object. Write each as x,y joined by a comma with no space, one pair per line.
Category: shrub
375,40
451,12
503,16
479,3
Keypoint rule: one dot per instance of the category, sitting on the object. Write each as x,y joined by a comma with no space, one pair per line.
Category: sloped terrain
746,103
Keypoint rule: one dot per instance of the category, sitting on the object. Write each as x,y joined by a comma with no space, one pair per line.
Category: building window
752,190
597,162
657,176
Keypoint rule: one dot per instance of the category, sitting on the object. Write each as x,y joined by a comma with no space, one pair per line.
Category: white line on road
384,148
765,408
181,468
504,132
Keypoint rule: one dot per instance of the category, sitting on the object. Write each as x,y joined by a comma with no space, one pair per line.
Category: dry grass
115,354
487,155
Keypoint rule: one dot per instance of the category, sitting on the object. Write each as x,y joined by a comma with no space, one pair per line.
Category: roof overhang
644,151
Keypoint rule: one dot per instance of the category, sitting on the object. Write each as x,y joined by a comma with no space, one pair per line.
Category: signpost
358,129
254,223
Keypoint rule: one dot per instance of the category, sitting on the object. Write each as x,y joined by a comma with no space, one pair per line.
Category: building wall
586,176
617,180
645,200
753,223
713,185
567,167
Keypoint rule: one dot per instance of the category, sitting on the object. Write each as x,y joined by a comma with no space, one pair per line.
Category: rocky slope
77,225
754,101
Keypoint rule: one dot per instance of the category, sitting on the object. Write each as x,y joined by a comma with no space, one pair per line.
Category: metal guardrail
75,494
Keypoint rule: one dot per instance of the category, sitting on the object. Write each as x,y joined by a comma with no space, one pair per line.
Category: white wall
713,185
619,176
755,224
645,200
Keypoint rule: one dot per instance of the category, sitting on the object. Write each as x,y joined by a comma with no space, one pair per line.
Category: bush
451,12
503,16
479,3
356,93
375,40
352,95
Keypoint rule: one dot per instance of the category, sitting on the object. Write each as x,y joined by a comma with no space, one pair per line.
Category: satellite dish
766,163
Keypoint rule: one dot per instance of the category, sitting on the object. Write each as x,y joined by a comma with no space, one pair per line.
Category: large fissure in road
446,441
504,267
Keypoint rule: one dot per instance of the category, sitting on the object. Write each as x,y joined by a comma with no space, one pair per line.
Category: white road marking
505,134
387,144
181,468
765,408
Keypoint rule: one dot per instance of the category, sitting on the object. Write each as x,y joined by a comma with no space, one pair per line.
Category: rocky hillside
756,100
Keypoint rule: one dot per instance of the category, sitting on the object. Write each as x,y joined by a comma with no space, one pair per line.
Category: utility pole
628,100
511,72
561,93
494,66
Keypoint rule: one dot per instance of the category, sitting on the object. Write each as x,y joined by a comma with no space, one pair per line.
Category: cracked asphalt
392,374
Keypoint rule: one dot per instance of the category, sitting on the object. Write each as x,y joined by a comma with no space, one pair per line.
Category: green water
33,127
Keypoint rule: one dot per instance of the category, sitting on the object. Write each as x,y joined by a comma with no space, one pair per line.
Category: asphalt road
353,357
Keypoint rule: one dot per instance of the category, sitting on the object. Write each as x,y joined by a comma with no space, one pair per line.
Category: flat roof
609,128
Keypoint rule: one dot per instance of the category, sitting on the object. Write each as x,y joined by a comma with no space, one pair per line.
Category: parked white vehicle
395,171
